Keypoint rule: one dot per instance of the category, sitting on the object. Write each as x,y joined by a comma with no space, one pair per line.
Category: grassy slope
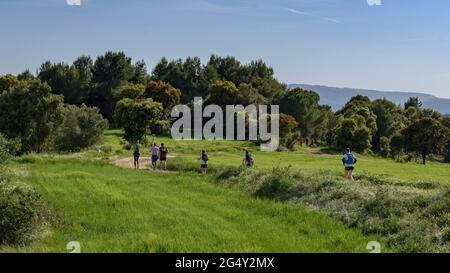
111,209
108,209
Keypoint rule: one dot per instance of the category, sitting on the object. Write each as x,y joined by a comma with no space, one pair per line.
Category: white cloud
73,2
374,2
299,12
331,20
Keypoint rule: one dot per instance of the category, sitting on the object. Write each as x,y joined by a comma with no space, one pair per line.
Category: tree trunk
424,158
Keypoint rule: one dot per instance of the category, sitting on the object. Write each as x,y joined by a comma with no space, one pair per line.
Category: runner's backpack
248,158
205,157
350,159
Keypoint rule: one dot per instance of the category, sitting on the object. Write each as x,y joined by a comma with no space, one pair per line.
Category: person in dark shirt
163,152
204,162
137,154
248,159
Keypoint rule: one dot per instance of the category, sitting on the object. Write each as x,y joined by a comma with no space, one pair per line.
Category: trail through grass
112,209
109,209
231,153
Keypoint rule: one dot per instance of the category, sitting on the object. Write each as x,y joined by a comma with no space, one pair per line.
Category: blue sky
399,45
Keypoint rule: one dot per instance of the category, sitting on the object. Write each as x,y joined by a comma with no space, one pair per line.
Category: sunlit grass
110,209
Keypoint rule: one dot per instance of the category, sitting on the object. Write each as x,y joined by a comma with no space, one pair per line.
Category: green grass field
108,209
112,209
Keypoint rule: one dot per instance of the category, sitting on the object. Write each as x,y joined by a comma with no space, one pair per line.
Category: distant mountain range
337,97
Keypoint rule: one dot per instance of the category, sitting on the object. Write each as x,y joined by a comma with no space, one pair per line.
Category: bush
105,148
28,159
290,141
20,208
127,146
81,128
20,213
228,172
8,148
4,152
268,184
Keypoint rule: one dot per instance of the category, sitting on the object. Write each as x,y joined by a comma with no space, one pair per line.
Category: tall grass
22,214
411,217
109,209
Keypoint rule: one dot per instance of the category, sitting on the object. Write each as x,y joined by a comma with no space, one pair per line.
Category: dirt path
144,163
128,163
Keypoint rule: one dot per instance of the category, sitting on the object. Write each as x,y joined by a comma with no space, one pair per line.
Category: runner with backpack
248,159
204,162
349,160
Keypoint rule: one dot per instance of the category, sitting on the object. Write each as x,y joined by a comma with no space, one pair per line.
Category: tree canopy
29,111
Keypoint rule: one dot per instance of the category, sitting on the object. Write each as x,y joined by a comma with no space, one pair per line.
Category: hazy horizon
424,92
364,44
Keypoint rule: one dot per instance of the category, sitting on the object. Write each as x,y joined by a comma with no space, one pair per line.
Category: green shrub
127,146
28,159
290,141
228,172
20,213
20,207
8,148
81,128
385,146
105,148
4,152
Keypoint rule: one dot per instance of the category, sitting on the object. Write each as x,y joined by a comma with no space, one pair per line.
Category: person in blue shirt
349,160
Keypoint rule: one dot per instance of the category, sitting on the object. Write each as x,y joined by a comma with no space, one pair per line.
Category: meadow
114,209
109,209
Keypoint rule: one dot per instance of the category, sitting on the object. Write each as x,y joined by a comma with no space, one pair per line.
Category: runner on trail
154,152
163,151
248,159
137,154
204,162
349,161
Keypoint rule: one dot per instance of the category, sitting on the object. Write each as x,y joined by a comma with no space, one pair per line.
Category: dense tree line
34,119
131,98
